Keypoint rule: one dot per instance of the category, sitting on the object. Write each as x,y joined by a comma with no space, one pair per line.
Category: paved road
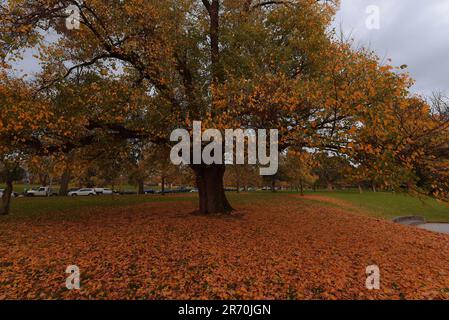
436,227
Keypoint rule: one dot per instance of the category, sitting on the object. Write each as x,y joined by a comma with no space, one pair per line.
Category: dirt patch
340,203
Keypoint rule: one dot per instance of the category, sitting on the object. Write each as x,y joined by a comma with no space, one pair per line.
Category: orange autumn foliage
284,249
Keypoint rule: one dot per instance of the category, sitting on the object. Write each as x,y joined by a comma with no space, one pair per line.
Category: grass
40,206
388,205
43,206
381,204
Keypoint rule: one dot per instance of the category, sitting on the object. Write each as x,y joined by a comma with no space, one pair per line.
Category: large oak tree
159,65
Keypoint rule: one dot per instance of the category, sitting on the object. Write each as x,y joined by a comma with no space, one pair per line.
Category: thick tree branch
267,3
73,68
206,4
115,131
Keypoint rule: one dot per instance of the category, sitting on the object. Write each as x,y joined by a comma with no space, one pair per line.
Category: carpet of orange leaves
292,249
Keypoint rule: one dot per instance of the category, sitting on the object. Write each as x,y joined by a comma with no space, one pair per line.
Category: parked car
166,191
13,194
40,192
82,192
108,191
193,190
103,191
127,192
149,191
180,190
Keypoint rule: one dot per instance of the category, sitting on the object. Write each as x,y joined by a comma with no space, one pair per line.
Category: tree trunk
43,179
360,189
301,186
141,187
64,183
6,198
209,181
214,9
163,185
330,186
273,185
238,185
66,175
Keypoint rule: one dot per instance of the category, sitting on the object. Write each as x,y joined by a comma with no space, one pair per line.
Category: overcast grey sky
412,32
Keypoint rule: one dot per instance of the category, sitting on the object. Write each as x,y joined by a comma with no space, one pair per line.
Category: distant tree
330,170
281,174
299,169
157,163
242,176
21,115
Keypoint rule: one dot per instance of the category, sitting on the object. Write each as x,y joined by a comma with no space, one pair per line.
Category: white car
103,191
13,194
82,192
40,192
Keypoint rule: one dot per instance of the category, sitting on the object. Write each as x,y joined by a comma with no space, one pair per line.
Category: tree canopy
136,70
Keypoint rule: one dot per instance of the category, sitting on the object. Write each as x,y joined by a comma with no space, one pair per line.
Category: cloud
412,32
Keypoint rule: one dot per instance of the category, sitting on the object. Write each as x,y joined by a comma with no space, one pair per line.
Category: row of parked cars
89,192
168,191
48,192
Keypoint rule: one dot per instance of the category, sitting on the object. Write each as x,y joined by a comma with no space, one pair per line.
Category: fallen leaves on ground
286,249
